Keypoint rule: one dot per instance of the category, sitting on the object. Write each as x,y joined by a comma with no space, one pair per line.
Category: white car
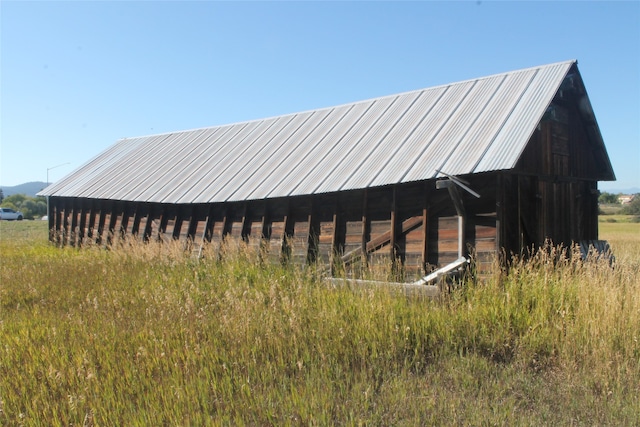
9,214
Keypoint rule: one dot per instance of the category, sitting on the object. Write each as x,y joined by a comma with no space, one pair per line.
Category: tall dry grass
147,335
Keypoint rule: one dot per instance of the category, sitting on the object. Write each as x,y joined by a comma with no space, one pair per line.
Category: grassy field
145,336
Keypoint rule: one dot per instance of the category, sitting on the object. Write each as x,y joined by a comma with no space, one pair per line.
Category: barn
493,165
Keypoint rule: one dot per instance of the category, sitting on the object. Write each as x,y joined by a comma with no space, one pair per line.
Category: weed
147,335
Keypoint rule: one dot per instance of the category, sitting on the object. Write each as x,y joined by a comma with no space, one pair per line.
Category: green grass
144,335
610,208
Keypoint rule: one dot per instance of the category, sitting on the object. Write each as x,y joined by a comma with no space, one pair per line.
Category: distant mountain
632,190
28,188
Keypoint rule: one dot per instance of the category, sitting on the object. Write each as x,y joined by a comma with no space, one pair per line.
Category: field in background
144,335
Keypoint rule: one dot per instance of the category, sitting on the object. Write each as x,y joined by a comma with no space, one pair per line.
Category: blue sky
77,76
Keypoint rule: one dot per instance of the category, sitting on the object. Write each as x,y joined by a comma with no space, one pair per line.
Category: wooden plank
276,237
299,241
384,239
142,219
325,239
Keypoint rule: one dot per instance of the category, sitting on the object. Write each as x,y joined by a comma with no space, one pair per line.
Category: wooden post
51,216
425,238
287,234
245,230
499,214
138,213
164,219
101,221
311,250
74,223
177,224
225,225
92,219
334,238
265,231
113,220
209,222
65,223
57,230
393,230
124,221
83,221
365,254
193,223
146,233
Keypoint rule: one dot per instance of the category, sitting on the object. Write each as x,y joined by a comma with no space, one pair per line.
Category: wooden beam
265,231
499,214
285,252
193,223
244,230
51,219
393,231
314,233
137,213
334,238
425,239
65,223
164,219
207,233
101,221
266,220
425,226
82,223
177,223
74,224
365,226
113,220
146,233
92,219
224,230
309,247
57,229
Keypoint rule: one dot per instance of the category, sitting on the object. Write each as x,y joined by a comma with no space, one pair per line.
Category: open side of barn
531,164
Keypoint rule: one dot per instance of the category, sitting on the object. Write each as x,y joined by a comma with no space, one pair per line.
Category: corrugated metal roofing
462,128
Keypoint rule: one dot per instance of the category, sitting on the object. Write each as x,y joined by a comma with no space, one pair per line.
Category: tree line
31,207
632,208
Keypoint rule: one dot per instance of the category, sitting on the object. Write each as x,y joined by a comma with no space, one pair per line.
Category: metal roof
462,128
